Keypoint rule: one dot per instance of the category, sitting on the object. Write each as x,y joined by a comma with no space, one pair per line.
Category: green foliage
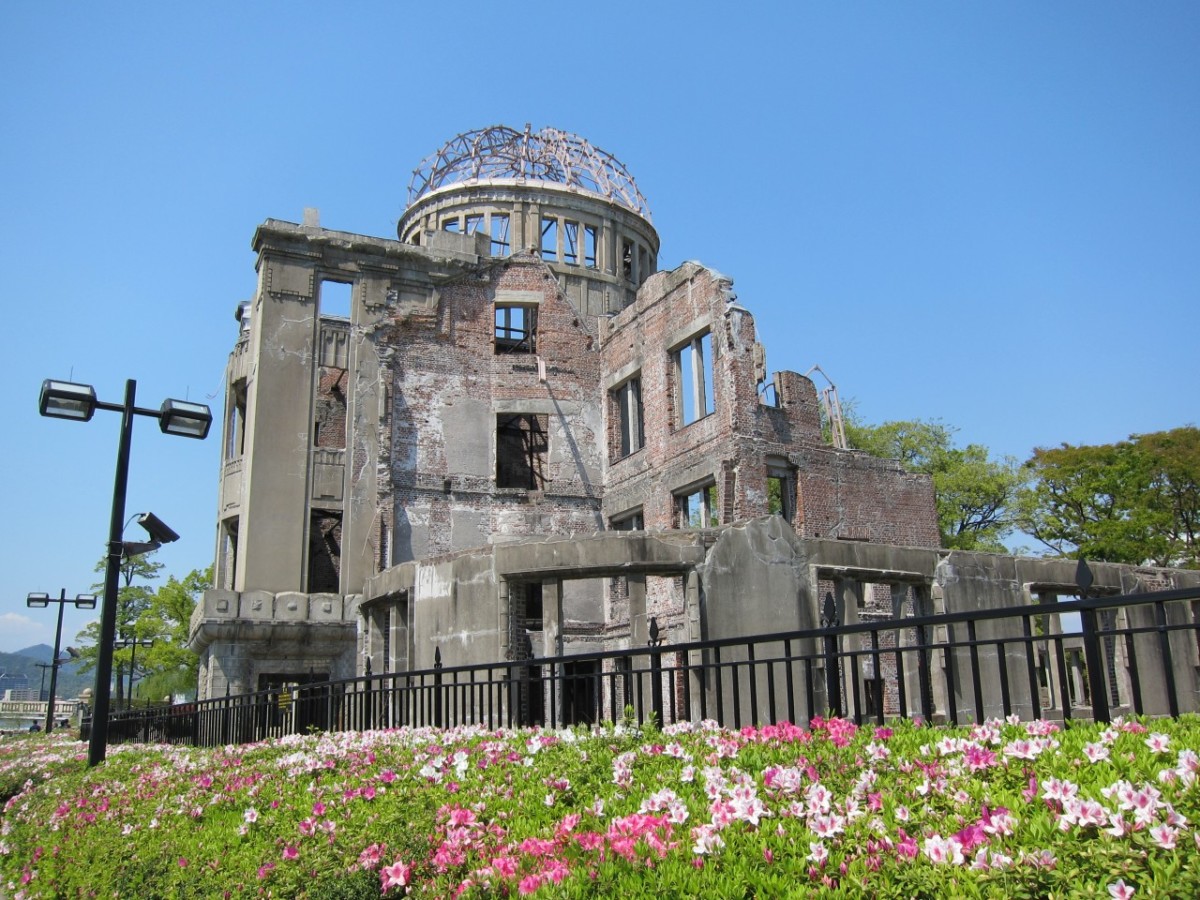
359,885
975,493
166,667
1134,501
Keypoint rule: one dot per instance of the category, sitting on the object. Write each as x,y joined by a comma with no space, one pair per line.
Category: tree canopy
975,493
161,616
1135,501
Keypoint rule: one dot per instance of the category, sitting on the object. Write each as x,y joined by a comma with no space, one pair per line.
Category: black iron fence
1089,658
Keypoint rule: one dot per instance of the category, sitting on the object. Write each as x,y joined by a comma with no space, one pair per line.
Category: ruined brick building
506,434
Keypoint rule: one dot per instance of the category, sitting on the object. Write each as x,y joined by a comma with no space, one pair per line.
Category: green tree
975,493
170,667
133,599
1134,501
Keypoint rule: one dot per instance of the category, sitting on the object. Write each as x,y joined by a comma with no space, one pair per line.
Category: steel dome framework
549,155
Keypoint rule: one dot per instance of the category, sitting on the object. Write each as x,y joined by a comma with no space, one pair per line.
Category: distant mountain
38,652
25,662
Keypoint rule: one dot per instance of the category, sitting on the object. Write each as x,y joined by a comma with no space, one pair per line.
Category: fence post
369,718
833,669
437,687
1091,647
655,645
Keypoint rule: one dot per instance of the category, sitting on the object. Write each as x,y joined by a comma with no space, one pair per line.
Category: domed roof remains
549,155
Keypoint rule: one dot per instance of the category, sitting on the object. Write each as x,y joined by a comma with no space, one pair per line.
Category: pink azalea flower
1164,836
1158,743
1120,890
398,874
290,852
505,866
943,850
529,884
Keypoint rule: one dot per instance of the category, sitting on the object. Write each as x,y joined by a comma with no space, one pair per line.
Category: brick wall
832,493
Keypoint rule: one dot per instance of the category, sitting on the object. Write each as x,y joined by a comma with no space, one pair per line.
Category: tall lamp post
121,644
67,400
41,601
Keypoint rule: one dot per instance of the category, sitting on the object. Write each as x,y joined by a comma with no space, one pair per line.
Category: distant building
505,435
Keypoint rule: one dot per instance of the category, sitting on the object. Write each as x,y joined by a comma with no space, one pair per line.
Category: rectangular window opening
627,406
571,242
516,328
329,425
499,232
235,425
781,490
451,225
589,246
335,299
533,606
694,379
229,549
627,259
324,551
474,223
630,521
550,239
698,509
521,449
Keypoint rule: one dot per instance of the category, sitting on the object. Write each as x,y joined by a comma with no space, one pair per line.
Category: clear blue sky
983,213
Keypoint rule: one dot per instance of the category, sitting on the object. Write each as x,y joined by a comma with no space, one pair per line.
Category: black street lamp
66,400
121,644
41,601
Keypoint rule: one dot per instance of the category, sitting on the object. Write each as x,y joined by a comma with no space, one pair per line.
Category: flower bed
1004,809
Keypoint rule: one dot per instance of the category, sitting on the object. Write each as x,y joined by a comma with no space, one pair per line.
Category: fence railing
1089,658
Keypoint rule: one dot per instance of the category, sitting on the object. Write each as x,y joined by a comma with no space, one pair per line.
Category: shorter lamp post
41,601
122,644
77,402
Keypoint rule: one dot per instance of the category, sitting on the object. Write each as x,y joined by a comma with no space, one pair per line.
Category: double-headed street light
67,400
41,601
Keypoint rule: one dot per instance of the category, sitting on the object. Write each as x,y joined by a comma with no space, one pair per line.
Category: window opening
474,223
335,299
521,444
329,425
571,242
693,375
627,400
781,492
499,232
550,239
533,606
589,246
450,225
324,551
516,328
632,521
235,426
699,508
627,259
229,549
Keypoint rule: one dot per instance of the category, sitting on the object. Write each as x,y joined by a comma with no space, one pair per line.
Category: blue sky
987,214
